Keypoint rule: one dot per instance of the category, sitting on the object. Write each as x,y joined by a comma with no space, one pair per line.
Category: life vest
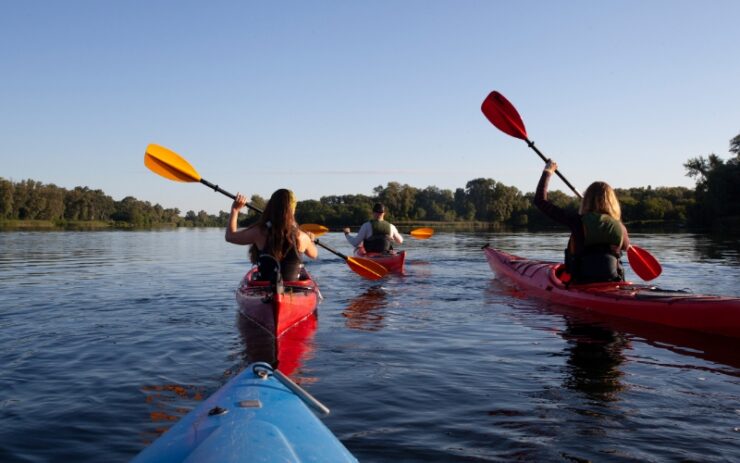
380,240
598,260
289,268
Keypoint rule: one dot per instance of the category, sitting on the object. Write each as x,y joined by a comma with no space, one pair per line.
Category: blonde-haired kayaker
275,238
597,234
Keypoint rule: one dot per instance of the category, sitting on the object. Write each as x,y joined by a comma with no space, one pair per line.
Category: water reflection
594,358
167,404
287,352
365,312
722,247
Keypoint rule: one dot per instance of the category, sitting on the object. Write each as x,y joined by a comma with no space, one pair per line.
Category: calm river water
107,338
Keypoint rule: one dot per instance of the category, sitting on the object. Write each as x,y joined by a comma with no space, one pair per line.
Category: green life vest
601,229
599,258
380,240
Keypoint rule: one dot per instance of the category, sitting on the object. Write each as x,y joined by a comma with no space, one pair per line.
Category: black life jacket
380,240
599,259
289,268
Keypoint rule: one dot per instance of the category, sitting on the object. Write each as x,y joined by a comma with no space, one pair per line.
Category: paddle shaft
226,193
531,145
331,250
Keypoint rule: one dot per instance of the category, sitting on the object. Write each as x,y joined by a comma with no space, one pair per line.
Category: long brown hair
279,222
600,197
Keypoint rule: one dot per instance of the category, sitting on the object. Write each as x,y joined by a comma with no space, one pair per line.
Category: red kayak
277,309
678,309
393,261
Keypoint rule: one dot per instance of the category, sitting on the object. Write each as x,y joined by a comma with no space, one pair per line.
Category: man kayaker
375,235
275,238
597,237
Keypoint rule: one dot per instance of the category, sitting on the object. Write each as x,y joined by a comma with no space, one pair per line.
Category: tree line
714,203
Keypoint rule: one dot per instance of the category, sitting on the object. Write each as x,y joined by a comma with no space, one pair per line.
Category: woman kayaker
275,238
597,237
375,235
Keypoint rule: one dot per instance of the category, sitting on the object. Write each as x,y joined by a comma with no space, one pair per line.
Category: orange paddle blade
314,228
643,263
422,233
169,164
367,268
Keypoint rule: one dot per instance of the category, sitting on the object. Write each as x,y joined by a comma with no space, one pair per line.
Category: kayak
277,309
679,309
393,261
258,416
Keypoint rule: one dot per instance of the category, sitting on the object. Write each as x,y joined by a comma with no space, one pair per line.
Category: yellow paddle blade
422,233
367,268
169,164
314,228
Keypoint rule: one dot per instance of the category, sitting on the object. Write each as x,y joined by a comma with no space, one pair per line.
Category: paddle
171,165
422,233
502,114
367,268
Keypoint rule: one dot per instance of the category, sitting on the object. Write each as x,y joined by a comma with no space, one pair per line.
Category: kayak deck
678,309
394,261
255,417
277,310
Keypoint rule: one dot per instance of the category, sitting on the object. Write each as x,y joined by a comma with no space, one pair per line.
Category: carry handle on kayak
261,369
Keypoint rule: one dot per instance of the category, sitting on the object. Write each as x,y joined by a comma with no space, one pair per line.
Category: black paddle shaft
226,193
530,143
333,251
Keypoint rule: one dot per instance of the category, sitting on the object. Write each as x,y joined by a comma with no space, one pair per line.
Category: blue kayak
258,416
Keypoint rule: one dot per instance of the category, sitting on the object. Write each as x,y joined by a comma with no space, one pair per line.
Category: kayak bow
258,416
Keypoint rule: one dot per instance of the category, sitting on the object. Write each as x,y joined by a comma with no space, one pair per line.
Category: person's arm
307,245
540,196
233,235
366,230
395,235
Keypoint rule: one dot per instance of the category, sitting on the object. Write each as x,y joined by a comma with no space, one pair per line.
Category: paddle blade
422,233
643,263
169,164
314,228
367,268
503,115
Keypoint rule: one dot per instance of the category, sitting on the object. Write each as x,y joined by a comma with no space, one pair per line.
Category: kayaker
274,238
375,235
597,237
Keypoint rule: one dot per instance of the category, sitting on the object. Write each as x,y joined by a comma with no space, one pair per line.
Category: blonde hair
600,197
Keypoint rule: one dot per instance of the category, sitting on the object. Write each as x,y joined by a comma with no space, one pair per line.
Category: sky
339,97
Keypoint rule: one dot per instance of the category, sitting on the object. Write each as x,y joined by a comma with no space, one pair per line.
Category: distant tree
717,187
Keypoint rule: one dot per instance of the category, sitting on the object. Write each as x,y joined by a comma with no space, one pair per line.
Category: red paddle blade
501,113
643,263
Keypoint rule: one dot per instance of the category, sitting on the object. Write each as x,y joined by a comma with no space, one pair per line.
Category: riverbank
70,225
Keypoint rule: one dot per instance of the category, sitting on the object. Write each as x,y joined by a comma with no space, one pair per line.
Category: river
109,337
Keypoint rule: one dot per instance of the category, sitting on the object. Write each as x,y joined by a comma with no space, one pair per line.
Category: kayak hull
393,262
678,309
252,418
277,312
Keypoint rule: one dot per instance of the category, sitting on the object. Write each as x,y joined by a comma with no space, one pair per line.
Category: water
109,337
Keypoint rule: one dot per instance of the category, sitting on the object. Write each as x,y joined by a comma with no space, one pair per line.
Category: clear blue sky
338,97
